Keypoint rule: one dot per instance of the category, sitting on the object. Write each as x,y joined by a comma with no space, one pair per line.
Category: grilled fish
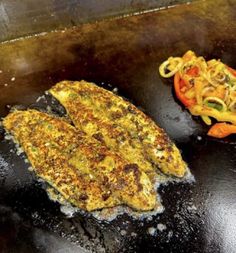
120,125
113,136
81,169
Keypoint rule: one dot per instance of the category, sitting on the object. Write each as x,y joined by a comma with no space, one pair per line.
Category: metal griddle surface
124,52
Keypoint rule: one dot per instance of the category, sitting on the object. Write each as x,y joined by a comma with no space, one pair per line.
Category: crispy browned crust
85,172
120,125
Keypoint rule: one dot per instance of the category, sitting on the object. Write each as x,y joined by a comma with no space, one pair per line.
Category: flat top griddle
124,53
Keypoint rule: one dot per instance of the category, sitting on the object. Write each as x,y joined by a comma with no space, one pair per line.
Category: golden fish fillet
120,125
82,170
114,137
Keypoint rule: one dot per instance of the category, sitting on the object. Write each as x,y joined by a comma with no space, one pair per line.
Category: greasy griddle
124,53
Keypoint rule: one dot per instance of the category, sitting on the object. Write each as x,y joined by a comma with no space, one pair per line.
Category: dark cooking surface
125,53
27,17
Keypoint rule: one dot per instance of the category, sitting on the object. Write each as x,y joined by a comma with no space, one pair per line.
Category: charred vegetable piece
85,172
120,125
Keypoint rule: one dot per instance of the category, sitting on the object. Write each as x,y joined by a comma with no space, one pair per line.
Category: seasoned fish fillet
120,125
113,136
84,171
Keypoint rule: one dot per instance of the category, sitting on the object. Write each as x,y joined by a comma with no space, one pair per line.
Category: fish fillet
84,171
120,125
114,137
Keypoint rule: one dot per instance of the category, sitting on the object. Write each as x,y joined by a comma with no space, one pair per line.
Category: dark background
24,17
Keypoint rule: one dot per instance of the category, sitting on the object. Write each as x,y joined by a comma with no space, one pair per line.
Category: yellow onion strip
198,110
207,120
172,62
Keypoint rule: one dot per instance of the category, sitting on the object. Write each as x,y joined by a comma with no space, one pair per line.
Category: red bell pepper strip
178,84
221,130
194,71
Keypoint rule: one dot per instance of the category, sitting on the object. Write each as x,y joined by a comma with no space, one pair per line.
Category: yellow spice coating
121,126
84,171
